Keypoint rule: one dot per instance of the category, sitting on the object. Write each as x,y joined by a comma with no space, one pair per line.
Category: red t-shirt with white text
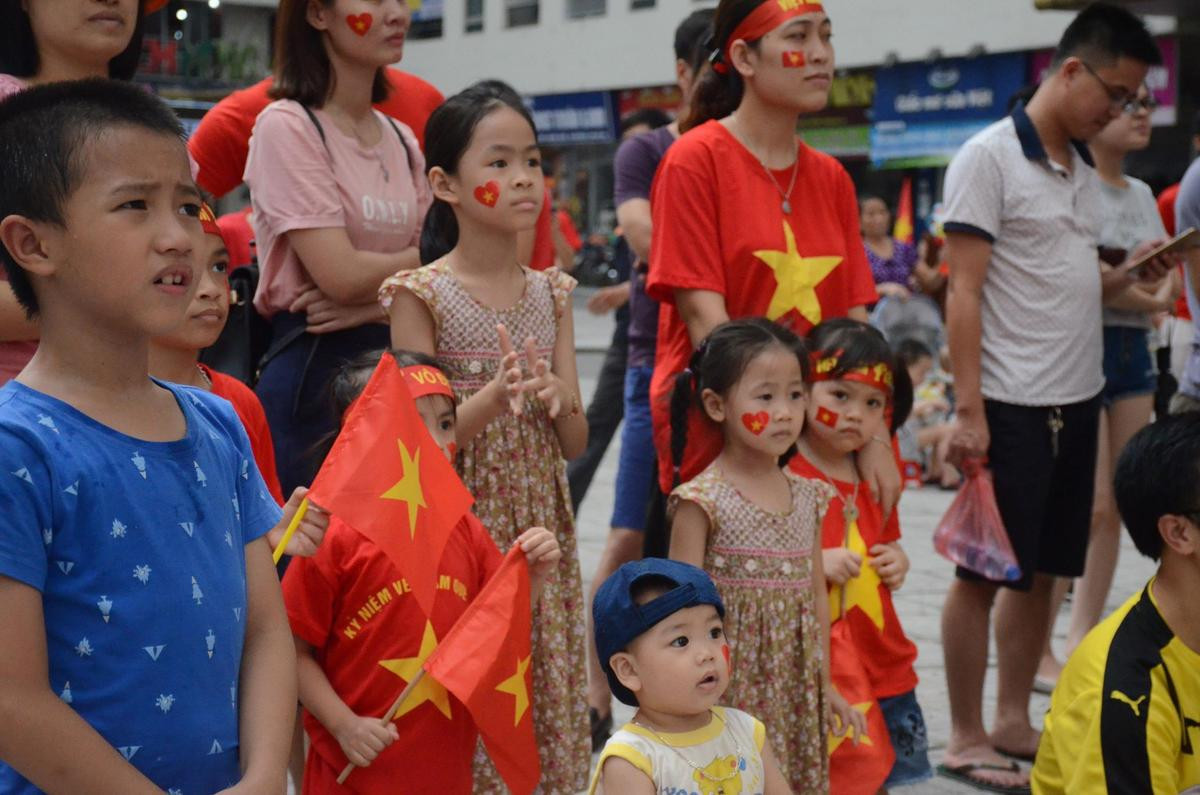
885,652
351,603
719,226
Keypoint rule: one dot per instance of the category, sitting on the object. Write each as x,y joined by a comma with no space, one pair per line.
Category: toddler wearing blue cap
662,646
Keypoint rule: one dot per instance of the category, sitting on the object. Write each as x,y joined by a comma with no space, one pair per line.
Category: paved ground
918,603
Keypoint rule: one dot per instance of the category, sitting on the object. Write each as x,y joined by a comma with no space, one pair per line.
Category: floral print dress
762,563
515,469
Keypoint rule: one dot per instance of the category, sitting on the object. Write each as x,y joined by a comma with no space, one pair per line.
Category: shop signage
581,118
924,112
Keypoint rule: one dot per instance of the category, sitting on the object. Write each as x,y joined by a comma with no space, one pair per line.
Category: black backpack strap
316,123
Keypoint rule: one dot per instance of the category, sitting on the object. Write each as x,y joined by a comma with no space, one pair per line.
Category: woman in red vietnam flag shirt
748,220
361,636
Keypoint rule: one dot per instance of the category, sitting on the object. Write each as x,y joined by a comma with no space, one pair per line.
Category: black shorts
1045,500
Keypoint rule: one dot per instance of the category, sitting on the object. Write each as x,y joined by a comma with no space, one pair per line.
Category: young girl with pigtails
858,392
518,416
754,527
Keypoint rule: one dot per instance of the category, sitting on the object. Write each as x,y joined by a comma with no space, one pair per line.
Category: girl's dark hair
718,363
18,50
717,95
302,68
448,133
861,345
351,378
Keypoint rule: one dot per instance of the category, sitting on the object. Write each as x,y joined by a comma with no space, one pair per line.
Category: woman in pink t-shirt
339,195
42,42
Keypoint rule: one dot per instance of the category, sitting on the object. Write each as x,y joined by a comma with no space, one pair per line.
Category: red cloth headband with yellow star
762,21
208,221
825,368
421,380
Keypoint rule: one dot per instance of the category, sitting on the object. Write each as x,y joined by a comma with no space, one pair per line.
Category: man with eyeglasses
1125,716
1024,326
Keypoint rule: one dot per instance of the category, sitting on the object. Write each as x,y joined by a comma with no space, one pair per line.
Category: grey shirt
1187,213
1129,218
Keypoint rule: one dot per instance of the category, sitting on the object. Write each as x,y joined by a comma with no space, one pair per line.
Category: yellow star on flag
427,689
408,488
515,685
835,742
863,591
796,279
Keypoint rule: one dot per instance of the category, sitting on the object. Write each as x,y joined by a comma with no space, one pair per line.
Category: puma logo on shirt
1136,706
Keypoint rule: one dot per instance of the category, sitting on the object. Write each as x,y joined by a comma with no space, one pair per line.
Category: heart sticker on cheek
453,448
728,663
793,59
360,23
827,417
488,193
756,423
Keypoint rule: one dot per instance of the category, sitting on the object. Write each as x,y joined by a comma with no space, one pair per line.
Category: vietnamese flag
387,478
484,661
903,229
863,768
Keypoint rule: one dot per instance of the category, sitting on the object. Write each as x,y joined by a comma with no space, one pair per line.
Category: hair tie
717,63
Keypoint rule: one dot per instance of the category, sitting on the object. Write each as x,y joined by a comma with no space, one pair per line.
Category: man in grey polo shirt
1024,326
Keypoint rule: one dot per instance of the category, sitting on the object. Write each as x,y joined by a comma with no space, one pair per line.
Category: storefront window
474,22
577,9
522,12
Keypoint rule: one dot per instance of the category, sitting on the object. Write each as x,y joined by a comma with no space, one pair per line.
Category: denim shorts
637,466
906,724
1128,368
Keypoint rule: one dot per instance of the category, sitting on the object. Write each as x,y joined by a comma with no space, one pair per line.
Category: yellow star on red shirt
796,279
835,742
515,685
427,689
408,488
861,592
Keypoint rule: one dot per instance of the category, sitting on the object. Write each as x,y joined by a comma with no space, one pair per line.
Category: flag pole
297,518
387,718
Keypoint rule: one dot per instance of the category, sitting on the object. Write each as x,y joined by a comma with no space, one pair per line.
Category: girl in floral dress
754,527
519,412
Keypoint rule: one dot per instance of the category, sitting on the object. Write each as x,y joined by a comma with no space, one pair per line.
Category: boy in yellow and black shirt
1125,716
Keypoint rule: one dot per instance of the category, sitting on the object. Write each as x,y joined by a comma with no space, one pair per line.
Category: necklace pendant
787,207
850,513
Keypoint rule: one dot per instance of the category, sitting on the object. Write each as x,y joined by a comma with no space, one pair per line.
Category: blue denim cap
618,619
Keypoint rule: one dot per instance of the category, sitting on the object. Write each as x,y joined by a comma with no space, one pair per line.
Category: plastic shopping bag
972,534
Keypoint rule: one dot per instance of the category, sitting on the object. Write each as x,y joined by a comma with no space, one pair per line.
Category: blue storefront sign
582,118
924,112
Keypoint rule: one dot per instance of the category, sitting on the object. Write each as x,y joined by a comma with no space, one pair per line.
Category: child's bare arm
774,783
569,422
41,737
361,737
620,777
689,533
267,682
542,552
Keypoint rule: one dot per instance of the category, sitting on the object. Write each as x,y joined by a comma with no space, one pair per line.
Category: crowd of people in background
783,365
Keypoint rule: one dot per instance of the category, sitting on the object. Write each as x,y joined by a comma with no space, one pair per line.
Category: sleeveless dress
762,563
515,469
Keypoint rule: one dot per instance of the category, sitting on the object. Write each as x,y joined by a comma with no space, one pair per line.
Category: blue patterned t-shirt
138,551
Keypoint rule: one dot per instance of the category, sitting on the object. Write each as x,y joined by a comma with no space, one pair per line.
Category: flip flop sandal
1020,757
963,775
601,728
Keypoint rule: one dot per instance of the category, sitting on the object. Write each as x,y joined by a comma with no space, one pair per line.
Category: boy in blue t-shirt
145,645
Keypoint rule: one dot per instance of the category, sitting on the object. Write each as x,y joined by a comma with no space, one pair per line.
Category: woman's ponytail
683,397
439,233
715,97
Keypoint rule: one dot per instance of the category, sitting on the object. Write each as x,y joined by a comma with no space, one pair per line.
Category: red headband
421,380
761,21
208,221
825,366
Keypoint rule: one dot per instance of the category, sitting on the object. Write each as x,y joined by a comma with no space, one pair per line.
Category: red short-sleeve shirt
885,651
719,226
369,635
222,140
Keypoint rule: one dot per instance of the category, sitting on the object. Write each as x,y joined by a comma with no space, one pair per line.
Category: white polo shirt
1041,309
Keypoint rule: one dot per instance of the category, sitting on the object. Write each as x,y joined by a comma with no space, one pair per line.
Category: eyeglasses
1118,98
1148,104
